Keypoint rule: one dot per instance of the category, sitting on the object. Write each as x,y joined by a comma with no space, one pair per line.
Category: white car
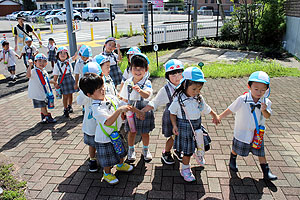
61,17
13,16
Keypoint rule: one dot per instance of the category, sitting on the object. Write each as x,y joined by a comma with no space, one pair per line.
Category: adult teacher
22,31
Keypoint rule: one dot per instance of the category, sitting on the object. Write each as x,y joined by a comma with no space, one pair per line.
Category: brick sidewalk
53,159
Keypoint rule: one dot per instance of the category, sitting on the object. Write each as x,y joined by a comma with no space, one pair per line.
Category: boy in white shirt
251,108
29,51
8,57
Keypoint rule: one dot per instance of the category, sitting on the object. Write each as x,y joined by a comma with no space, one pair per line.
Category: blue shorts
89,140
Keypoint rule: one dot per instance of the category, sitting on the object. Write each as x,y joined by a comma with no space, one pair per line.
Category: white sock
183,167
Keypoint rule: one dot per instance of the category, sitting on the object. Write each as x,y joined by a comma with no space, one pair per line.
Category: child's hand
175,130
216,120
136,88
56,85
263,106
147,108
76,87
118,46
125,108
141,115
123,116
30,62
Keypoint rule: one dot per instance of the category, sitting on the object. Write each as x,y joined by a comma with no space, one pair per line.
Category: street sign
155,47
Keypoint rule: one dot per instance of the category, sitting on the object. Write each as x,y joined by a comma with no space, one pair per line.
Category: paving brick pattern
53,158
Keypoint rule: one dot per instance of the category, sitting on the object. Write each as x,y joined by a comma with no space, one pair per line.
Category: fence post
51,26
218,21
67,36
12,30
165,33
130,28
39,35
92,32
145,33
189,19
116,29
111,21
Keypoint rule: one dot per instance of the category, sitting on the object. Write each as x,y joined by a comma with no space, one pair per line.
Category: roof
9,2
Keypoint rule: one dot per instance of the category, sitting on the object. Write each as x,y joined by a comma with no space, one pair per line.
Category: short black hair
250,83
90,82
172,72
5,43
139,61
57,56
51,39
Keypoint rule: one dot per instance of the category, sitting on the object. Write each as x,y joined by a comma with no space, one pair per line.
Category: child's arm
119,52
21,55
216,118
225,114
28,73
54,81
76,81
110,120
174,124
264,111
76,54
143,93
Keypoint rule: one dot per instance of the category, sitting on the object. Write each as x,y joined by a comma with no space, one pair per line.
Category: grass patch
12,188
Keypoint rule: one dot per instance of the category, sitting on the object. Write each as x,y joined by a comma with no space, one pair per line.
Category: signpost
155,48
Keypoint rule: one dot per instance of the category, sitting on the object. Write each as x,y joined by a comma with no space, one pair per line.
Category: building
9,6
55,4
292,37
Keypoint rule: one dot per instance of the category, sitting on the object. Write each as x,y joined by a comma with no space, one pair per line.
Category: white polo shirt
89,123
109,85
26,49
79,66
244,124
192,107
35,87
62,66
102,110
9,56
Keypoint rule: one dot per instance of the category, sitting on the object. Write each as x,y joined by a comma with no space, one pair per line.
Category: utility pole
195,15
71,32
145,6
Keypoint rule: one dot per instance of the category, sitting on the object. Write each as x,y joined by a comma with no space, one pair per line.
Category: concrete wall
292,36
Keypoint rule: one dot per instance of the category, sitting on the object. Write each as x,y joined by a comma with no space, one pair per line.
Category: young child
36,91
136,91
107,112
89,123
108,50
8,57
245,106
29,51
186,108
174,69
85,53
104,62
63,72
127,73
51,51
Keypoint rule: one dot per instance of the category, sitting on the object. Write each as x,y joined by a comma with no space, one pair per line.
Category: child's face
175,78
84,58
40,63
105,68
193,90
6,47
29,43
138,72
110,46
63,55
51,42
258,90
99,94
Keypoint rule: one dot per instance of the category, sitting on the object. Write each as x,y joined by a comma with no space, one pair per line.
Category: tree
29,5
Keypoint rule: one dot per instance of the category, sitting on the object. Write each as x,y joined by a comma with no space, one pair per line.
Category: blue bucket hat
92,67
140,54
85,51
260,77
60,49
193,74
173,64
100,59
40,56
28,39
133,50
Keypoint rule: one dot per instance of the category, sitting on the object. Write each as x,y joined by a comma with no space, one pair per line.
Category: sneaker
50,119
44,121
178,155
66,112
93,167
187,175
147,155
110,179
131,154
167,158
125,168
70,109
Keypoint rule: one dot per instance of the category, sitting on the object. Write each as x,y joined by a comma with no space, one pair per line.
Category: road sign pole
146,27
71,33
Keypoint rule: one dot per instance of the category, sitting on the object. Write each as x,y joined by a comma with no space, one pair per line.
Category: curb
9,31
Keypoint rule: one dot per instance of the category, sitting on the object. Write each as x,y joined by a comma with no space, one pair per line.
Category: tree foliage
29,5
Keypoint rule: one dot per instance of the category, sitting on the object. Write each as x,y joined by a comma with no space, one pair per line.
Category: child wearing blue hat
185,116
173,69
29,51
251,109
85,54
39,86
8,57
104,62
108,50
137,91
89,123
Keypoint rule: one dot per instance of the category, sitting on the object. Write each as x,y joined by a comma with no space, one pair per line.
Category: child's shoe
66,112
147,155
267,173
178,155
167,158
232,163
70,109
125,168
187,175
93,167
50,119
44,121
110,179
131,154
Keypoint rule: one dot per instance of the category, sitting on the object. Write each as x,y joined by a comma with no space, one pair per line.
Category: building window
212,1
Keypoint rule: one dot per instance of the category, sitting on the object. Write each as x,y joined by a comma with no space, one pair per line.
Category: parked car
206,10
99,14
8,17
13,16
61,17
33,18
31,14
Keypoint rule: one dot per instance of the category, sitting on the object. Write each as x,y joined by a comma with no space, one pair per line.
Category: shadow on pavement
57,134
